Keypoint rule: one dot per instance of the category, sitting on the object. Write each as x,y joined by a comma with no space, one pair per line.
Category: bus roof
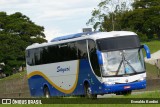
81,36
72,36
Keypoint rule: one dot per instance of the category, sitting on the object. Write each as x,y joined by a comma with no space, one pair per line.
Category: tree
144,19
106,17
17,31
144,4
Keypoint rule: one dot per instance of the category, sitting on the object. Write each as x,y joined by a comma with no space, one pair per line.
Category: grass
14,76
85,105
155,94
154,46
140,96
151,71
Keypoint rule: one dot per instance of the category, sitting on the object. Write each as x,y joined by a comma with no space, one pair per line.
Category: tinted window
82,49
72,52
93,57
29,57
118,43
44,55
37,56
67,52
57,53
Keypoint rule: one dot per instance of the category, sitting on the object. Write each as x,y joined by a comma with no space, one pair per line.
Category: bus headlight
142,78
109,83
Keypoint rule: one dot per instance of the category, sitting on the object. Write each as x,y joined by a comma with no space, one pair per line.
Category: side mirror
99,55
148,54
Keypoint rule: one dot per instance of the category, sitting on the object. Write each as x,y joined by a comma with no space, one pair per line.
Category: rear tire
46,92
88,92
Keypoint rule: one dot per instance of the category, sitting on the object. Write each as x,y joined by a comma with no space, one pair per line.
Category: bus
87,64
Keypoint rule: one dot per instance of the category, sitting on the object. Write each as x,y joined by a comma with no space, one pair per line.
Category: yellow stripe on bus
53,84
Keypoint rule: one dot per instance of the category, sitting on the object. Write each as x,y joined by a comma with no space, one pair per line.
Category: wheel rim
47,95
88,92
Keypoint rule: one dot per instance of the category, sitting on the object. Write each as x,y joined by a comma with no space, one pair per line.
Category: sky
59,17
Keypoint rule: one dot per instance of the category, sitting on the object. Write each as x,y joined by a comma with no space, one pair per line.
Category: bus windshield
123,62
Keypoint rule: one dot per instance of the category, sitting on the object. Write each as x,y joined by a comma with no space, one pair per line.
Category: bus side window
68,52
28,57
37,56
72,51
82,49
93,57
44,55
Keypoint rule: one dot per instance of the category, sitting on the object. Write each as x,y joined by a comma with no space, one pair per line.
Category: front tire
88,92
125,93
46,93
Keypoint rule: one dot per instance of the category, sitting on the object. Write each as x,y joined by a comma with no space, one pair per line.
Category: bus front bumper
124,87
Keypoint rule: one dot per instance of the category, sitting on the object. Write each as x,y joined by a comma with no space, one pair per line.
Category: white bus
87,64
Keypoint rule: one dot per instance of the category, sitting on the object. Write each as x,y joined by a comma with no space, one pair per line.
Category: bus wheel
88,92
125,93
46,92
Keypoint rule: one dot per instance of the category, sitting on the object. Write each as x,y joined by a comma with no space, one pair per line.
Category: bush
143,37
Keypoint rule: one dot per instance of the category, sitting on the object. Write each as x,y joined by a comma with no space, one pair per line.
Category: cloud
6,2
47,8
53,33
59,17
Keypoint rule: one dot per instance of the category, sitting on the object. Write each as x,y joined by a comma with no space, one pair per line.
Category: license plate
127,87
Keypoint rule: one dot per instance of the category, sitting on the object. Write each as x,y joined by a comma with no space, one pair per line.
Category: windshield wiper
123,61
131,66
119,67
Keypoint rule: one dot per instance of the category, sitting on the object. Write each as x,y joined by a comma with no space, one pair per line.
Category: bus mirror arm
99,55
148,55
